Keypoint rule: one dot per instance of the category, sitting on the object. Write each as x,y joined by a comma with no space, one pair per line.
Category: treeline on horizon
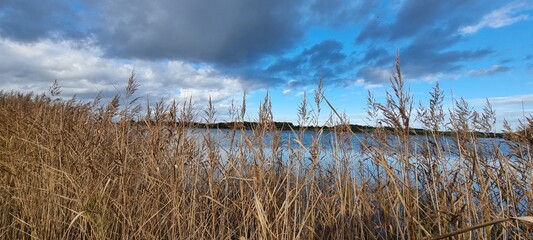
355,128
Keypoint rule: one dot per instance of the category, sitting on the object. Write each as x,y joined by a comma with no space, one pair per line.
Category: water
331,147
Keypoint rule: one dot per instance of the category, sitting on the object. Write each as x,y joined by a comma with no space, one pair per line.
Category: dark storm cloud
417,16
29,20
224,32
236,37
340,12
324,59
429,53
377,56
232,35
374,29
425,55
425,33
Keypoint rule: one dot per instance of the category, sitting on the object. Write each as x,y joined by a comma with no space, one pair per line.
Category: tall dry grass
75,170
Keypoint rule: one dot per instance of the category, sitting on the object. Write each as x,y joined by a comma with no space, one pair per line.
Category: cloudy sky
475,49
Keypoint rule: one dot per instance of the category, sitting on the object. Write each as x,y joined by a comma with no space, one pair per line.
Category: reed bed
78,170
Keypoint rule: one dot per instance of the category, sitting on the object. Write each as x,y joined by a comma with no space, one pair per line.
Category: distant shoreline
355,128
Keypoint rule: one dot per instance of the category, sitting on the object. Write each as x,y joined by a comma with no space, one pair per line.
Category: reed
77,170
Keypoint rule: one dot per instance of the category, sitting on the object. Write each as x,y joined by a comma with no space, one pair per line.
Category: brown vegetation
73,170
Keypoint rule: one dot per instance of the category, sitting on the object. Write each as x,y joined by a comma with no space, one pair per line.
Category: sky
203,49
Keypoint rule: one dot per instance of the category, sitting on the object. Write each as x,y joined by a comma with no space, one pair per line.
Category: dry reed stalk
70,169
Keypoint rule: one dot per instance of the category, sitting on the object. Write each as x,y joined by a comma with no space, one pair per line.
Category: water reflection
332,146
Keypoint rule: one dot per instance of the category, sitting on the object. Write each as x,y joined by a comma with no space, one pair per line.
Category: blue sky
200,48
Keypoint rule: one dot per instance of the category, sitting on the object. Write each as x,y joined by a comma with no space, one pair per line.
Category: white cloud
231,90
308,92
504,16
359,82
435,77
287,91
362,82
78,67
511,108
81,68
372,86
517,100
301,93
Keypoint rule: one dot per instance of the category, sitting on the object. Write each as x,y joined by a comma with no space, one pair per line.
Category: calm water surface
330,145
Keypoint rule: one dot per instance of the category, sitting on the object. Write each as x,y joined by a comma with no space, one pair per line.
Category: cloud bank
205,48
